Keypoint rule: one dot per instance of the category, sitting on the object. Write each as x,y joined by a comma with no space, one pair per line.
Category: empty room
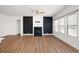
39,28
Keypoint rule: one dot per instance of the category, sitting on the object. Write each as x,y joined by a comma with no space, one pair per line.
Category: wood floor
37,44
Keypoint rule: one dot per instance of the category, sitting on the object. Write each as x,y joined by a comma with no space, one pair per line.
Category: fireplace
37,31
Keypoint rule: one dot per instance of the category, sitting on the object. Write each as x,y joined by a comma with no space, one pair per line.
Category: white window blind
72,25
56,25
61,25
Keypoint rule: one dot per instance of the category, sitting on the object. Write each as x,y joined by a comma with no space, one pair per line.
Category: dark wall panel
27,24
47,24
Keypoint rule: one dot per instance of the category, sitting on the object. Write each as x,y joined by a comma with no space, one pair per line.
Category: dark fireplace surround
37,31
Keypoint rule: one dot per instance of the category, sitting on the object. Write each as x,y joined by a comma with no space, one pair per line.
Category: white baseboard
27,34
47,34
33,34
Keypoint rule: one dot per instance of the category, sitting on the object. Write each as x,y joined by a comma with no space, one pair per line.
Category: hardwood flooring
35,44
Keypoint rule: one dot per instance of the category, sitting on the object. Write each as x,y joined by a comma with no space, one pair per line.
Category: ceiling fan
38,12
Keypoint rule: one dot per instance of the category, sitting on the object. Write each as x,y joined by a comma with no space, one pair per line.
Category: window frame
73,13
60,26
56,25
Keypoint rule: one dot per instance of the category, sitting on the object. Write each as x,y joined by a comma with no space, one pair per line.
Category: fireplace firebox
37,31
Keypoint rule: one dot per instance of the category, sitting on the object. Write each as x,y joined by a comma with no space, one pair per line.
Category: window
72,25
56,25
61,25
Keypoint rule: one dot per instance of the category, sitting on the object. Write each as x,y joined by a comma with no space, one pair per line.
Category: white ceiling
26,10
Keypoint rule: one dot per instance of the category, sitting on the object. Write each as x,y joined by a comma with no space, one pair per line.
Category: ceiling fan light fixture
37,12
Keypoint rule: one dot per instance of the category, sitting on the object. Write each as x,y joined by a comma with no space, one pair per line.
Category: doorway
18,27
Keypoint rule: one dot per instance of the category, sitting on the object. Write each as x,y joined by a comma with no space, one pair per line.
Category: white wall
37,18
68,39
8,25
21,19
40,24
1,23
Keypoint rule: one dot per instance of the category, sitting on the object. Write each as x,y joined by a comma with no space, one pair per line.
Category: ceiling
27,10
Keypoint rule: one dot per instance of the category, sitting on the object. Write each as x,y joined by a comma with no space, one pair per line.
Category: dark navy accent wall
47,25
27,25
